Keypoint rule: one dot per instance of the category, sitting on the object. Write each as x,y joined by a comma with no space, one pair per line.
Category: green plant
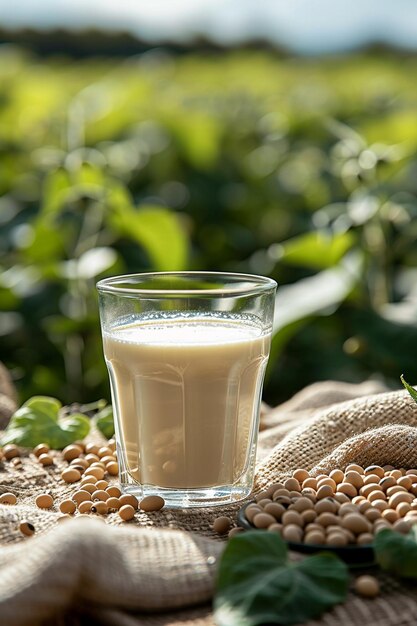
300,169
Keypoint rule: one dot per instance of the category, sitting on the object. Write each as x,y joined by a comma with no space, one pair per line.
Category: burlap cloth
149,571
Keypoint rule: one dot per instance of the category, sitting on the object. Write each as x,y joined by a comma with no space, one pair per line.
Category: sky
307,26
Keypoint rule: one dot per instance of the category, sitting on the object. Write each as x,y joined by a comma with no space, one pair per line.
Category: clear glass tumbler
186,354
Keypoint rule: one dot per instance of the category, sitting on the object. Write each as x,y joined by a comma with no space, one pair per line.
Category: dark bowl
354,556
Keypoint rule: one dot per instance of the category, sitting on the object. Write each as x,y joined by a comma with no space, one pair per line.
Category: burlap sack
86,572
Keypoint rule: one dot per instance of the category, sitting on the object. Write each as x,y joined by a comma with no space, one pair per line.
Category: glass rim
257,284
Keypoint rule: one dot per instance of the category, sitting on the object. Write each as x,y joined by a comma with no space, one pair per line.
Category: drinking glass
186,354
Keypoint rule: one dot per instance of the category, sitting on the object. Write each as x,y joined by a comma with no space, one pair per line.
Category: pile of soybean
340,508
90,469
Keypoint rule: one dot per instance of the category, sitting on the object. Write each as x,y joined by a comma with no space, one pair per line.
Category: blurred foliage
301,169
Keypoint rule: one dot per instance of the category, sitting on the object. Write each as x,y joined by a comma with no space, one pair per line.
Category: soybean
71,475
354,468
292,533
10,451
68,507
8,498
337,539
100,494
41,448
356,523
81,496
91,448
104,451
85,507
27,528
354,478
292,517
300,475
308,516
301,504
44,501
337,475
324,492
375,469
275,509
90,480
98,472
113,504
100,507
102,484
112,468
367,586
90,488
127,512
114,491
223,524
292,484
263,520
71,452
348,489
150,503
45,459
316,537
251,511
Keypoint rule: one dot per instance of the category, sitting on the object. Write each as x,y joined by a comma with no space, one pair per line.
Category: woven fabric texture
159,569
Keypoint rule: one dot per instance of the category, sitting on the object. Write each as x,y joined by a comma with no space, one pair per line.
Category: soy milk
185,391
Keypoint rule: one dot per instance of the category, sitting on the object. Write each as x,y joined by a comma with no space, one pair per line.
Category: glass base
187,498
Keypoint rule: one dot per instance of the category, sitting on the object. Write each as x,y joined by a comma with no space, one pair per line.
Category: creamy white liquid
187,393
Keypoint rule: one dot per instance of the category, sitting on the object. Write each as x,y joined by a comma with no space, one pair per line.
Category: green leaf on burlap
397,553
257,585
37,421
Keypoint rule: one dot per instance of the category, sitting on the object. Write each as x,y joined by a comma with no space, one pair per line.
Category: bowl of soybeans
340,511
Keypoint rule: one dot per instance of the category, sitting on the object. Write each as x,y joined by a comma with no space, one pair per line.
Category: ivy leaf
397,553
257,585
50,406
105,422
37,421
410,389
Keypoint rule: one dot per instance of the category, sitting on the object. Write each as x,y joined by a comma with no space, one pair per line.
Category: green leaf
155,228
309,297
397,553
48,242
37,422
61,188
410,389
89,178
46,404
199,138
256,585
105,422
57,187
159,231
316,249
